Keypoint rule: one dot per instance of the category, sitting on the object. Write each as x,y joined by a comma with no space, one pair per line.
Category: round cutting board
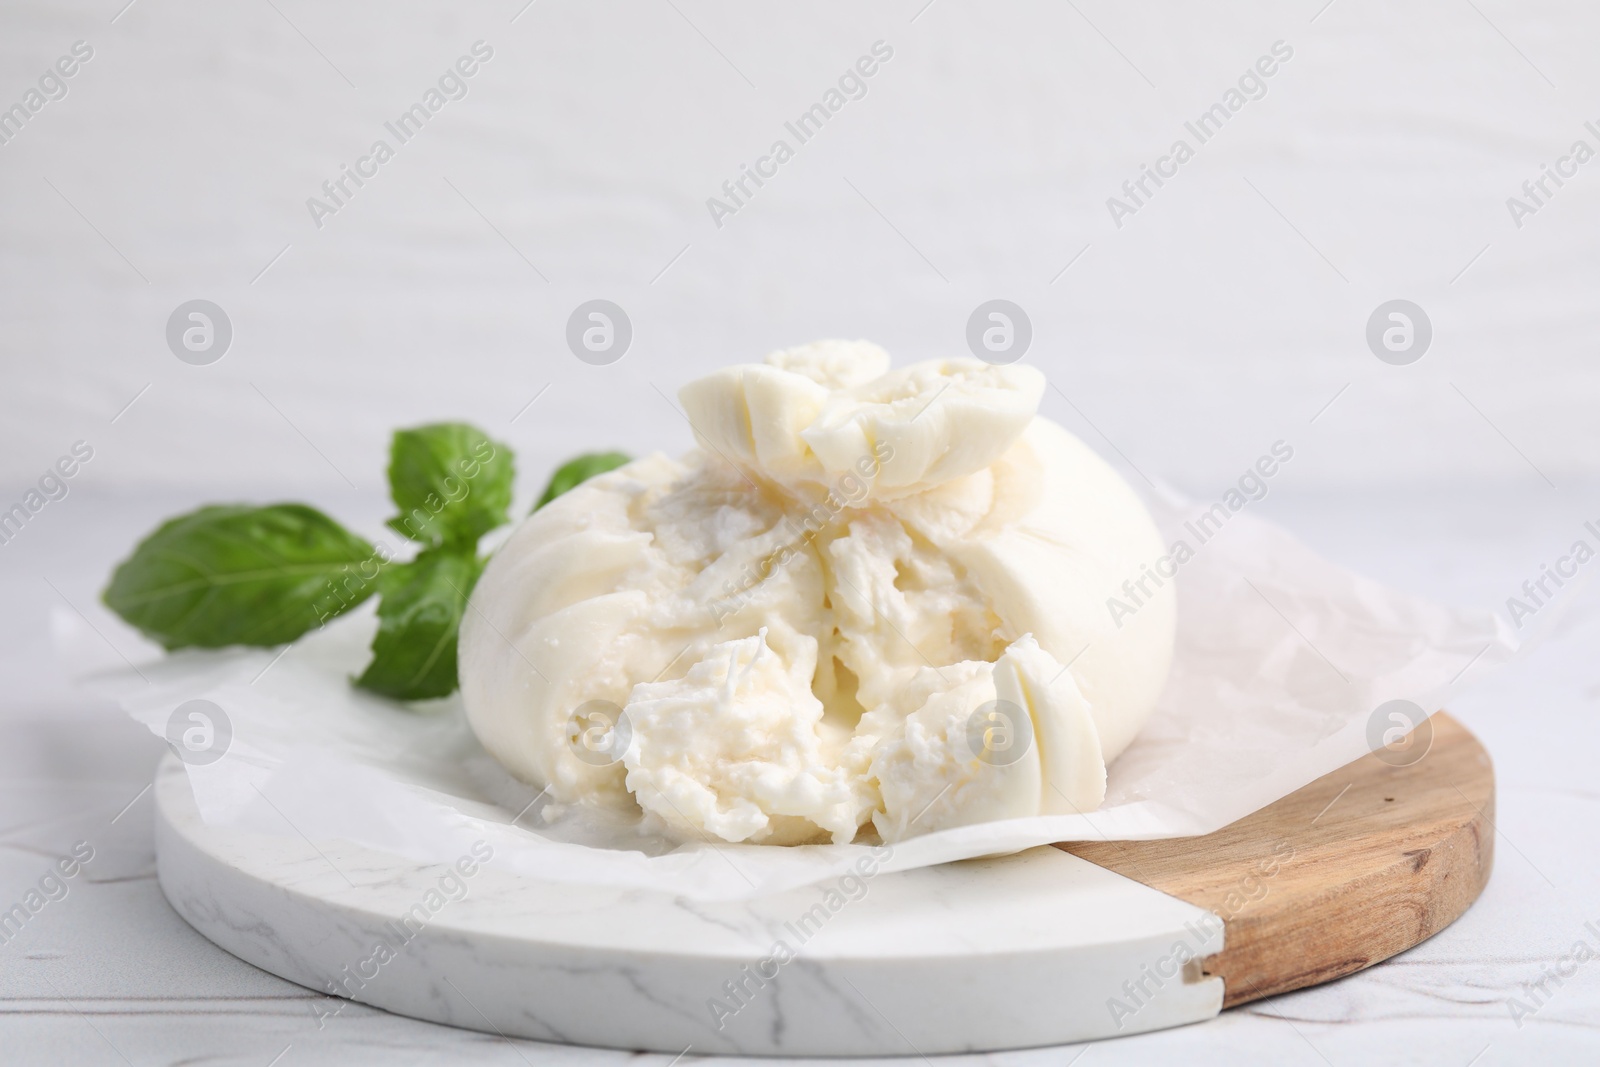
1050,946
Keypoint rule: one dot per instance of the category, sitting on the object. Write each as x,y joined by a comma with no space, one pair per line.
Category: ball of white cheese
870,597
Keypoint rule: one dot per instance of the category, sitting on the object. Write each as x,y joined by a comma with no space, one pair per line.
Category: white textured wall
1193,337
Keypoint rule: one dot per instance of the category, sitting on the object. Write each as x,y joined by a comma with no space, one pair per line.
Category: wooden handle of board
1359,865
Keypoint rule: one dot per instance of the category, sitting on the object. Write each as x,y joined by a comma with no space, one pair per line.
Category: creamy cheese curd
871,598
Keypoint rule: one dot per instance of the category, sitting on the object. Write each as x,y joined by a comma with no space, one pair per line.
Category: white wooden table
109,974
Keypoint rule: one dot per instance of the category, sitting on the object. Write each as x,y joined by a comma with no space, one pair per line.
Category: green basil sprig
263,576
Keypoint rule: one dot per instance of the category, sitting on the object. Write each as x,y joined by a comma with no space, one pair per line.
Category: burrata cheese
871,600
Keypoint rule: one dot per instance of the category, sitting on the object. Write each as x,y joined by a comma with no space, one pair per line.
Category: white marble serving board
1025,950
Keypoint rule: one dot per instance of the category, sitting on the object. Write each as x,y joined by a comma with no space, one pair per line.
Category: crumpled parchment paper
1281,660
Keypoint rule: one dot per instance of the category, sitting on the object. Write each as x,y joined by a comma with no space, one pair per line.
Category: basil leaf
414,653
451,483
574,472
241,575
